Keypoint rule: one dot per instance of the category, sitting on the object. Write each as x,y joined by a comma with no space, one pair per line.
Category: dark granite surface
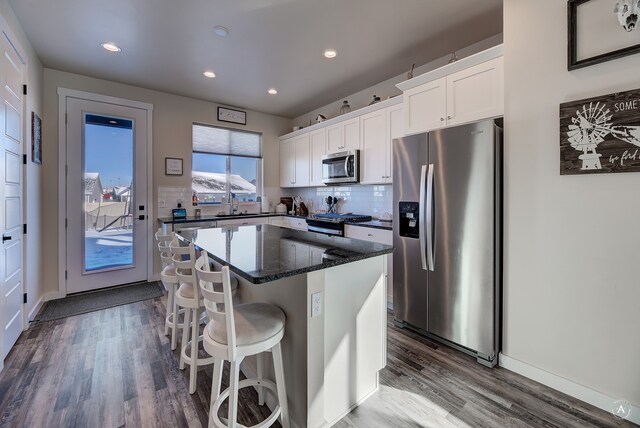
374,224
262,253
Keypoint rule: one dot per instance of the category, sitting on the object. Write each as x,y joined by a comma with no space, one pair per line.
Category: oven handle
319,229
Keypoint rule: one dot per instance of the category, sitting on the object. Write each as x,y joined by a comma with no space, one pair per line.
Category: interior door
11,277
106,195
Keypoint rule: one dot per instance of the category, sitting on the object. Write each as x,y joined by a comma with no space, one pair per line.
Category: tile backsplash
374,200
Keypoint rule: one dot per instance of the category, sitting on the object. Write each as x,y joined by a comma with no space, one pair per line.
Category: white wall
172,119
572,243
388,87
32,172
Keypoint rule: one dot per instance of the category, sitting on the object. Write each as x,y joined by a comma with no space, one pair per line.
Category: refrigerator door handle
430,220
421,212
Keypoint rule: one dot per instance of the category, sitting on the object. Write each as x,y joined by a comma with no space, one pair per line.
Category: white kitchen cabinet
377,129
466,95
318,148
294,161
374,155
243,221
381,236
288,222
343,136
476,93
425,106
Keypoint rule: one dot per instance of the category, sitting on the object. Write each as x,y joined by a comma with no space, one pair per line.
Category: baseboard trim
34,311
581,392
52,295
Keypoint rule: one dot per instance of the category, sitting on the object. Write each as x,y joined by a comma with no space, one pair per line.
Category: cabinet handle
442,119
449,117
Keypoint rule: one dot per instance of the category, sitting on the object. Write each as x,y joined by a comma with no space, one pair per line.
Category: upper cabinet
318,148
468,90
294,161
343,136
374,154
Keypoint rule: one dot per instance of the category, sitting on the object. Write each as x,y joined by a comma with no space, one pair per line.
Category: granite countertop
263,253
376,224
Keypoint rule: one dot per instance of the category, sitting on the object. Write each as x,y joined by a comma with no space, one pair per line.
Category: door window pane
108,200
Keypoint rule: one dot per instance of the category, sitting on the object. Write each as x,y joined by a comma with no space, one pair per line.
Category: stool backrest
163,246
184,260
218,302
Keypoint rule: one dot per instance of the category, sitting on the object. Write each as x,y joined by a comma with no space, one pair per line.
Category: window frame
259,167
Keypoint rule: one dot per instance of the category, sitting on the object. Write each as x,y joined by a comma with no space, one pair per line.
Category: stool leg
260,363
282,389
193,369
174,328
170,290
234,375
216,383
185,334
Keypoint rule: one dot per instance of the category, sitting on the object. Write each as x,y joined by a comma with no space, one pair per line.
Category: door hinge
66,223
65,118
24,159
66,274
24,228
66,170
24,298
24,91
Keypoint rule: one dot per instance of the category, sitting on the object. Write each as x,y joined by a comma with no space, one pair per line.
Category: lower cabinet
289,222
243,221
381,236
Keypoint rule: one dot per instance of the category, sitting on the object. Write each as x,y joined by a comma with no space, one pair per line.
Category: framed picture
601,30
173,166
36,138
232,116
601,134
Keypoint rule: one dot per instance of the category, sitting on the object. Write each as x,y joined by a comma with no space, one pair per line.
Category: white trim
35,309
63,95
569,387
53,295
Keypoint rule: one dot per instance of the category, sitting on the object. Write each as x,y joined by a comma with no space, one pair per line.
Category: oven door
340,167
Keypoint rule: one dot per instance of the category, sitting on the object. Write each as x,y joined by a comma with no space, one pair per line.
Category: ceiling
167,44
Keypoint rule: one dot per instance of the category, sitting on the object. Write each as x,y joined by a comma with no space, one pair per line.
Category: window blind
224,141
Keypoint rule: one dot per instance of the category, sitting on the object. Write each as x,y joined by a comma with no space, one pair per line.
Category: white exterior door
106,192
11,277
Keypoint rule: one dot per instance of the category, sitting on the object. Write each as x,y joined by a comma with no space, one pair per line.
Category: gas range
333,223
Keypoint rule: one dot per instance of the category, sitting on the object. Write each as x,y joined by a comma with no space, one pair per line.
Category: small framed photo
232,116
601,30
36,139
173,166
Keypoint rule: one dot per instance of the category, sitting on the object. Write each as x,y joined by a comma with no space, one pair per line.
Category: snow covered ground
111,248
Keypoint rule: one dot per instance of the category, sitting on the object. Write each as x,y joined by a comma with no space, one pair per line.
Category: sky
109,152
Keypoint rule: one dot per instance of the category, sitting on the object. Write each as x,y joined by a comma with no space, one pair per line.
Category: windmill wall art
601,134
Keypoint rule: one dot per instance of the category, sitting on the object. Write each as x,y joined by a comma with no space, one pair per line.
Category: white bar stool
170,282
234,333
189,297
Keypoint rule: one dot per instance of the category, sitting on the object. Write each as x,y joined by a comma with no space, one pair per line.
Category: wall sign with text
601,134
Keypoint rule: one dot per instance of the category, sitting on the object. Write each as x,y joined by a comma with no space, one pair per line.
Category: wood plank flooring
114,368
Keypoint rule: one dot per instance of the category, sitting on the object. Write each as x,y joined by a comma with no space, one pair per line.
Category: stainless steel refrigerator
447,232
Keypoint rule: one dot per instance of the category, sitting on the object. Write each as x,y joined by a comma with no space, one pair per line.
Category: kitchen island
333,348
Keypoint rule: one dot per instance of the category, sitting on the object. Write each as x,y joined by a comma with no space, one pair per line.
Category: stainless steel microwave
343,167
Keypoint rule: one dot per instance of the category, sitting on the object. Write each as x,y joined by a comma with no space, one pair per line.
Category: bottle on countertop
194,199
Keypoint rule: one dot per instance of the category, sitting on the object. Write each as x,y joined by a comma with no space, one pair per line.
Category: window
226,161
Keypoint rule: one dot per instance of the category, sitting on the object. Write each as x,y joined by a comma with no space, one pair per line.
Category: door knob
6,238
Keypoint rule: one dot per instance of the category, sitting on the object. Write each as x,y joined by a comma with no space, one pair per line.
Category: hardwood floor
114,368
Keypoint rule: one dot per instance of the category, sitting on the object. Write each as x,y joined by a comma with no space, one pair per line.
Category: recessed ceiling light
209,74
273,91
221,31
111,47
330,53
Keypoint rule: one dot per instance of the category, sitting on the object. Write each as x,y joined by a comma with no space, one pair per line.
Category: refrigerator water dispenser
409,224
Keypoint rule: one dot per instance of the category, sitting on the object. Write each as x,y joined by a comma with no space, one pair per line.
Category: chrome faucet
234,204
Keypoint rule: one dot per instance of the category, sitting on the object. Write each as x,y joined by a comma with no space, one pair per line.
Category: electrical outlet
316,304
